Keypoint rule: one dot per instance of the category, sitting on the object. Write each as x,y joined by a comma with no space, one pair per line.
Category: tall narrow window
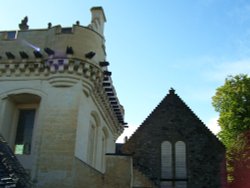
92,143
105,136
93,140
180,160
173,165
104,146
180,164
24,131
166,158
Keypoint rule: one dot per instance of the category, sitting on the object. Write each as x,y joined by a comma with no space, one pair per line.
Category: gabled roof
170,110
173,121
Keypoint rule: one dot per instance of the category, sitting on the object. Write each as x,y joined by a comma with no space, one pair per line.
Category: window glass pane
24,131
91,143
181,184
11,35
166,160
104,148
166,184
180,160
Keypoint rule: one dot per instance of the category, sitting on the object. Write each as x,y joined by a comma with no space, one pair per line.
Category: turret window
92,143
104,147
19,122
24,131
93,139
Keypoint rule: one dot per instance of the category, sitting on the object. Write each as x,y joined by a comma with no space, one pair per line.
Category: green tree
232,101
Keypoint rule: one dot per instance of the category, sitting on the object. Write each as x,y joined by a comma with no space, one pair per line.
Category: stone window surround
19,107
19,101
105,136
92,142
97,141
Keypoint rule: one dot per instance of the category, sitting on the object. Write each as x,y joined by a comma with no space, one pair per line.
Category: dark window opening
11,35
24,131
66,30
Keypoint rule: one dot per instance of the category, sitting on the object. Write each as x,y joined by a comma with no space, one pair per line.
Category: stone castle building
61,116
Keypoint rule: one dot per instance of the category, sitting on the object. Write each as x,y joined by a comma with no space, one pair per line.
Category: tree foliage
232,101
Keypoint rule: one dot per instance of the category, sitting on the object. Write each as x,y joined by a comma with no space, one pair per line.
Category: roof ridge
152,111
198,118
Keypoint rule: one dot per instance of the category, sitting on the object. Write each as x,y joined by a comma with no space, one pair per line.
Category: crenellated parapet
63,56
59,71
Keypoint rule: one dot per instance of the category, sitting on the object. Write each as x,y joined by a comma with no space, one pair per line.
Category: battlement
76,40
54,42
63,56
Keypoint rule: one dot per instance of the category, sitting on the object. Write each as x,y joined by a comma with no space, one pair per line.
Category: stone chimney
98,19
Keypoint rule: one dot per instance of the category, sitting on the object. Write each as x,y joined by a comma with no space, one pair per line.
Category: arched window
92,141
166,160
91,145
173,165
180,160
180,164
104,147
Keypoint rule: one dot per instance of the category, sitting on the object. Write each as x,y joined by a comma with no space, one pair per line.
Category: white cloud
212,124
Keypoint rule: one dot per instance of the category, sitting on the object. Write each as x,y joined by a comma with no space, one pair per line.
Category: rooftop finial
24,24
171,91
49,25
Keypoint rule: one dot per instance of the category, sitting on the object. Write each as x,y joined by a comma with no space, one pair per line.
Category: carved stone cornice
60,72
103,100
66,72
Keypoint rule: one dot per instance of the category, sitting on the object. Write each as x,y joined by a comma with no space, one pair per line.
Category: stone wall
119,171
141,181
57,139
86,176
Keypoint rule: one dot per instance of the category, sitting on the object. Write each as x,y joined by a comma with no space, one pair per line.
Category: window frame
92,143
19,107
105,137
172,182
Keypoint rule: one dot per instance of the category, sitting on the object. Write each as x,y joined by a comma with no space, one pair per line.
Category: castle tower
58,107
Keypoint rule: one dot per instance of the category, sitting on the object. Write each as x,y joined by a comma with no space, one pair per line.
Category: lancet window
173,165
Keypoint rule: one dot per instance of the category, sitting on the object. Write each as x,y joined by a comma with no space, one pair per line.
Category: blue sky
154,45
